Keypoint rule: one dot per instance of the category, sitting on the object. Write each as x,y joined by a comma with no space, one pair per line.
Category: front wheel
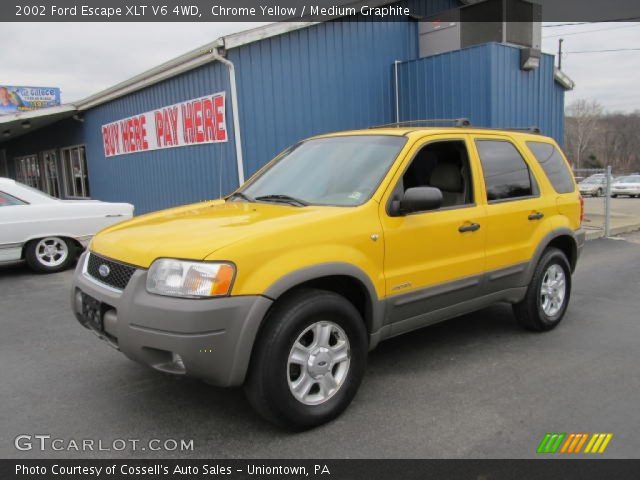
309,360
548,294
599,193
50,254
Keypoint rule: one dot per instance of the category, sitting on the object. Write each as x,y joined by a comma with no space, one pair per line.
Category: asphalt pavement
474,387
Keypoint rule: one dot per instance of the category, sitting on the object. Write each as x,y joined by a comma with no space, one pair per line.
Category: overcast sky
84,58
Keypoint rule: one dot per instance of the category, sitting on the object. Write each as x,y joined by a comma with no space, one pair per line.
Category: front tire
548,294
50,254
309,360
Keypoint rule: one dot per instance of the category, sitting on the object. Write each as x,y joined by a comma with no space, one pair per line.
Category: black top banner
305,10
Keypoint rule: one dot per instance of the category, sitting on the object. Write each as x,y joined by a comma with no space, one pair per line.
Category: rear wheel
548,294
599,193
309,361
50,254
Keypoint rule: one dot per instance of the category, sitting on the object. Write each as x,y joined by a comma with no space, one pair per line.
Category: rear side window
553,165
506,174
7,200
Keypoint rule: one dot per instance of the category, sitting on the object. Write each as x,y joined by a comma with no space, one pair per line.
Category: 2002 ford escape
341,241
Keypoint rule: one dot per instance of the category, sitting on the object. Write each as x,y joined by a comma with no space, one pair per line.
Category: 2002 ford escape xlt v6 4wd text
341,241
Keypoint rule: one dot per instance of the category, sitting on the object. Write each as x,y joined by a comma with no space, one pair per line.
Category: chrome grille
117,274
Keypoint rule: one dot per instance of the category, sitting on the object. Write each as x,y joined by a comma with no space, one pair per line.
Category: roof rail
438,122
531,129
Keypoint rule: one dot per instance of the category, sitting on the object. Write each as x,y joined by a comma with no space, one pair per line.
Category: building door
74,161
50,170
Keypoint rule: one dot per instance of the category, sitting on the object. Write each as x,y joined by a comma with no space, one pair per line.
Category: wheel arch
563,239
341,278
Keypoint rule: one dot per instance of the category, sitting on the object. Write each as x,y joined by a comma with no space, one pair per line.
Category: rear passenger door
518,216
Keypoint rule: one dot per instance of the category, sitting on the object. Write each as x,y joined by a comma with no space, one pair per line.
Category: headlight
179,278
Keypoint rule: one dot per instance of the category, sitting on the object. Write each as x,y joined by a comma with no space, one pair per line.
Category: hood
195,231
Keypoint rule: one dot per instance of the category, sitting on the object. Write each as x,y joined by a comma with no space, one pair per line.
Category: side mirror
420,199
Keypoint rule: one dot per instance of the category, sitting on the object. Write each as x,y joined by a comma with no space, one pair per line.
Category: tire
599,193
50,254
533,312
614,196
272,375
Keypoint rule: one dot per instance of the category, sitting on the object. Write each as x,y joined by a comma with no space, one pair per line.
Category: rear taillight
581,208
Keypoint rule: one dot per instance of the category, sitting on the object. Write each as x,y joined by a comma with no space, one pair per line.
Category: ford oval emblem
104,270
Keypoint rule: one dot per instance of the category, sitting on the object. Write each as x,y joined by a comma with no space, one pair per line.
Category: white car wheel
49,254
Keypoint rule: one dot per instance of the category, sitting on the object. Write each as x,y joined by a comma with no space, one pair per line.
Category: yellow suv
343,240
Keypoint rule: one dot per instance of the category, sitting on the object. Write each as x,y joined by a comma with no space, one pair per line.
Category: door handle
536,216
469,227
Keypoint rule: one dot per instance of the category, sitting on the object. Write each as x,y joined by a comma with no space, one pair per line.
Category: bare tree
582,121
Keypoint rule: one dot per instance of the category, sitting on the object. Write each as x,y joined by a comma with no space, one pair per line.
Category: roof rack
531,129
439,122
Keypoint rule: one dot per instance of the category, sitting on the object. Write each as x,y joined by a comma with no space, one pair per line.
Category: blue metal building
291,81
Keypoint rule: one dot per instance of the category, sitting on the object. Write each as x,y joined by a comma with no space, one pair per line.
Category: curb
593,235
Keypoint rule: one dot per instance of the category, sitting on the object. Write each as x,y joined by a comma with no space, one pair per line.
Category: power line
606,51
590,31
628,19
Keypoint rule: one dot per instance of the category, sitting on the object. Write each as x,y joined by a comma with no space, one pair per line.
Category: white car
595,186
47,232
629,185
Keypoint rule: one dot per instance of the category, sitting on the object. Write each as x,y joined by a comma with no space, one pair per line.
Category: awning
15,124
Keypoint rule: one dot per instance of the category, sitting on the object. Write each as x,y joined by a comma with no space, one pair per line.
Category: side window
553,165
444,165
7,200
506,174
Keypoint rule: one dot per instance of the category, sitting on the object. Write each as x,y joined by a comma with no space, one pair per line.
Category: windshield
594,180
342,171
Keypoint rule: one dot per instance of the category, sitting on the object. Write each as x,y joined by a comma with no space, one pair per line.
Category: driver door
434,259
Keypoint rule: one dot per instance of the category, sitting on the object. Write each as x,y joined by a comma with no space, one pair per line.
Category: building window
74,161
506,174
28,171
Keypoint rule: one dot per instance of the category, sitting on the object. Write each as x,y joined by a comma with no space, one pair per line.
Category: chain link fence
595,188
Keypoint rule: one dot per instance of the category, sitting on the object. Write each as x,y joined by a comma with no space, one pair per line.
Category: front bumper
212,337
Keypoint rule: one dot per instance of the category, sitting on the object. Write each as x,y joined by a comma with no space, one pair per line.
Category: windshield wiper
244,196
284,199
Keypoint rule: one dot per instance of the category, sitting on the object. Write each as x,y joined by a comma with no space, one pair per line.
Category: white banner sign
194,122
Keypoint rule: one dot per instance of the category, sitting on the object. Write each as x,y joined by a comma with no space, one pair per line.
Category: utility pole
560,53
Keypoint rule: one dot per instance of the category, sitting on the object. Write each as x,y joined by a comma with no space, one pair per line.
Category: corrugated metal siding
333,76
449,85
524,98
328,77
485,84
172,176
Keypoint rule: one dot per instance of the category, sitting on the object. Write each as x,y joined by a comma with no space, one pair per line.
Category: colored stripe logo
574,442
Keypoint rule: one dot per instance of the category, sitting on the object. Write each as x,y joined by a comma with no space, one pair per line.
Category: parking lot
474,387
625,214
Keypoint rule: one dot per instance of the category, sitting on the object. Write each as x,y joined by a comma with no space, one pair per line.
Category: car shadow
207,408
